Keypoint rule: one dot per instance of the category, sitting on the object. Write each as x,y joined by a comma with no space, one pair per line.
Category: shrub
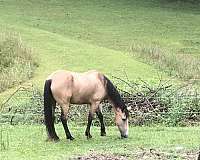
16,61
150,105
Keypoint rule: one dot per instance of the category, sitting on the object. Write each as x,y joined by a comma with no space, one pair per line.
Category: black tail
49,107
114,95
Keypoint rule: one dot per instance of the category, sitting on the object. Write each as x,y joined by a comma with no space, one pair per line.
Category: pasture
28,142
114,38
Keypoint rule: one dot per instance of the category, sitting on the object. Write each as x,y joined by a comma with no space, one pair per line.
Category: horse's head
121,120
121,110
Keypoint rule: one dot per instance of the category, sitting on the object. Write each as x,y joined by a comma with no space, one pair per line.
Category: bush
16,61
150,105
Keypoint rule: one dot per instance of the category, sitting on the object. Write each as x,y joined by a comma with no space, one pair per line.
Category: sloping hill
112,24
62,43
55,51
82,35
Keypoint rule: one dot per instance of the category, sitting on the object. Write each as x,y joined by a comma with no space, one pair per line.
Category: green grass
169,61
112,24
85,35
82,35
28,142
59,52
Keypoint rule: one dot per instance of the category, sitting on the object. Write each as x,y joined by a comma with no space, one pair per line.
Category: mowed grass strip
56,52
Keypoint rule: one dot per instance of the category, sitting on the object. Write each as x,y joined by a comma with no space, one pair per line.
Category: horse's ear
129,108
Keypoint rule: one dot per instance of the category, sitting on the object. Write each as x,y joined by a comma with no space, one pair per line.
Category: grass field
85,35
82,35
57,50
28,142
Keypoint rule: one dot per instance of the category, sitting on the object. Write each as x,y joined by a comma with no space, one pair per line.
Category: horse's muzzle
124,136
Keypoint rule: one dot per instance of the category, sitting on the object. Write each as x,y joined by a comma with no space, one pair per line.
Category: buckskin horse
92,87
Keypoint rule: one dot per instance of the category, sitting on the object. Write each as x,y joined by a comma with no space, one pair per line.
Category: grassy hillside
90,34
112,24
83,34
57,48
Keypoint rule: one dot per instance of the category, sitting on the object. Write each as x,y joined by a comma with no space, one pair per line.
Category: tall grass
184,66
16,61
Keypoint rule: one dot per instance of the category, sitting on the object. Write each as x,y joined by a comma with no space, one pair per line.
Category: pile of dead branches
161,103
150,104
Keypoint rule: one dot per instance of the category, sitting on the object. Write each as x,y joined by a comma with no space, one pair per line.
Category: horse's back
88,87
78,87
61,85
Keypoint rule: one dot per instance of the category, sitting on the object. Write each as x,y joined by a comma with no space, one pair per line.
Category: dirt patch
153,154
94,156
143,154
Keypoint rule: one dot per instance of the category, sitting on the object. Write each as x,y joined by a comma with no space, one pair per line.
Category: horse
66,87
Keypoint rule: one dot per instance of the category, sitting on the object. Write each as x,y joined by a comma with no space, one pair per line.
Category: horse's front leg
100,116
93,109
64,117
90,118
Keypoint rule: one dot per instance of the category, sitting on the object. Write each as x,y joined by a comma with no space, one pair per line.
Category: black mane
115,97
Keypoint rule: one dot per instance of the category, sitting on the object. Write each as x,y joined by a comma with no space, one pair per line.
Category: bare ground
142,154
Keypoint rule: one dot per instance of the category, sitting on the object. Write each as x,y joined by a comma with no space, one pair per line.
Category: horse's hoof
55,139
103,134
89,136
71,138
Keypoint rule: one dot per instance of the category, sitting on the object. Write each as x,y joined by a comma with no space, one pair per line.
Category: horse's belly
86,96
79,100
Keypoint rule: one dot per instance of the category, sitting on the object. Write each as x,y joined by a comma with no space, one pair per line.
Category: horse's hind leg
93,109
100,116
64,117
49,122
